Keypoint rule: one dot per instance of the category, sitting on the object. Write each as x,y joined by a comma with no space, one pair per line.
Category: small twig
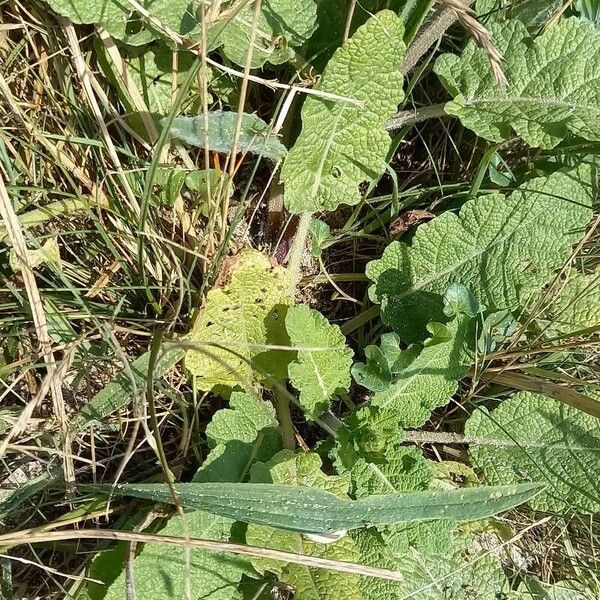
240,115
15,539
349,17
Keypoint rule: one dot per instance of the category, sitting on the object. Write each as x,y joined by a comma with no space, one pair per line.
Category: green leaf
428,382
503,248
578,304
530,437
239,436
152,73
343,144
549,95
532,13
311,510
255,135
309,584
320,233
458,300
367,434
115,16
161,570
13,500
282,25
243,315
463,572
497,328
531,589
332,16
322,368
375,374
170,182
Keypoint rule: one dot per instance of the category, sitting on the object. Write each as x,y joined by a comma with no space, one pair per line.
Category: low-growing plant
305,450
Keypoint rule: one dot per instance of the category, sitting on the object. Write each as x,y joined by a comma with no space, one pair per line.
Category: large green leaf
332,16
343,144
530,437
308,584
282,25
322,368
244,314
463,572
117,17
502,248
239,436
161,571
411,548
551,89
311,510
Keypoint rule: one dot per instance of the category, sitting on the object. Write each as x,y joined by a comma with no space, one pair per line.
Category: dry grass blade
566,395
12,540
481,36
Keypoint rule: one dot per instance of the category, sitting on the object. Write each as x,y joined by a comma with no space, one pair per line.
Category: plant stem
411,117
441,19
298,249
284,416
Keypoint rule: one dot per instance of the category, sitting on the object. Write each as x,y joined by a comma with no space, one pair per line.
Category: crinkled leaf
343,144
255,134
367,434
404,469
160,570
282,25
411,548
322,368
117,18
503,248
244,314
384,362
428,382
239,436
578,304
530,437
309,584
462,572
332,16
551,89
